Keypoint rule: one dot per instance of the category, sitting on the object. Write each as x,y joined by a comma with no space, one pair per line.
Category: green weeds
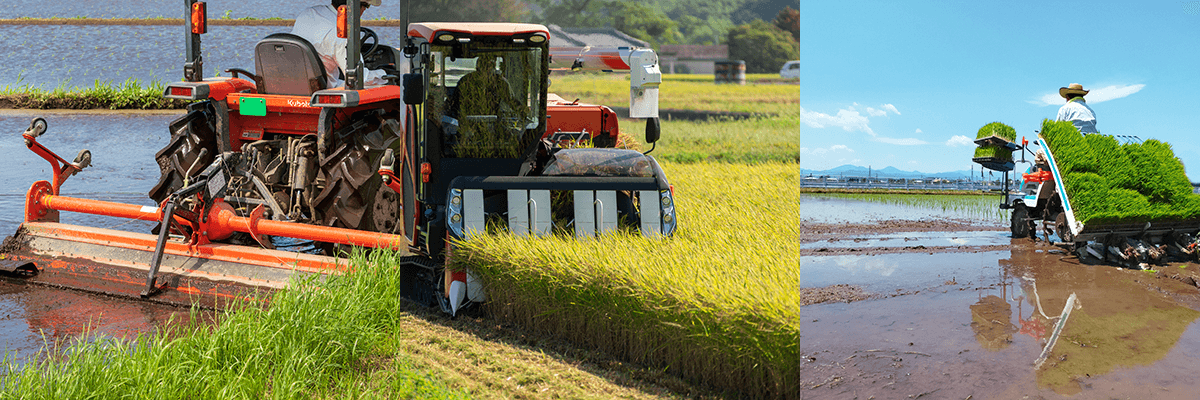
311,336
131,94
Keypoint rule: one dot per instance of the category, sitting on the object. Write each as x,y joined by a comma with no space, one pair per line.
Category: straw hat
373,3
1073,88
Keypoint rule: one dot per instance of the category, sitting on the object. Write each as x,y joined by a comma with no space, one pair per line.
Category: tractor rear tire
354,196
1020,222
194,141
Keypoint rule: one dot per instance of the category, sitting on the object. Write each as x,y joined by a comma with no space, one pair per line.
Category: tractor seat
288,64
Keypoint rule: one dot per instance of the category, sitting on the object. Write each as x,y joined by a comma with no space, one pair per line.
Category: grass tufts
131,94
310,335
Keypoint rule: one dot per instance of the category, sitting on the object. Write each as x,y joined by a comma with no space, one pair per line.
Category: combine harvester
1128,237
411,165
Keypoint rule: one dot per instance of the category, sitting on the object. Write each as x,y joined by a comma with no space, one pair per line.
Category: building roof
597,37
427,30
694,51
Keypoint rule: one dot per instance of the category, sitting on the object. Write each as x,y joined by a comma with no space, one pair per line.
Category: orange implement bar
222,221
222,217
86,206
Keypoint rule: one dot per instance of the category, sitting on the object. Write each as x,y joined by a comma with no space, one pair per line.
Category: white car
791,69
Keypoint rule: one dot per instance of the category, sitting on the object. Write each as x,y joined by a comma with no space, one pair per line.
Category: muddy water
123,170
954,324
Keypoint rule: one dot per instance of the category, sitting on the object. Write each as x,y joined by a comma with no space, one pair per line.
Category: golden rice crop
718,302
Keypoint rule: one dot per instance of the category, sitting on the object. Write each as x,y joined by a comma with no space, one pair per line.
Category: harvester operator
318,25
1076,110
479,90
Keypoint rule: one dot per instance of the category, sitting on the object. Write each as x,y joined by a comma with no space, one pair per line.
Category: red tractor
456,142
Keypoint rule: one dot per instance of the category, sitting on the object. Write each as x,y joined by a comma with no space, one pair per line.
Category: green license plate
252,106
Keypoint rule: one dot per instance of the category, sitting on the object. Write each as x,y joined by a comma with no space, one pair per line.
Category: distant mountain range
889,172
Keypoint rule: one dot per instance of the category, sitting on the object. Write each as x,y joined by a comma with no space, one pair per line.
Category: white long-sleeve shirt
1079,114
318,25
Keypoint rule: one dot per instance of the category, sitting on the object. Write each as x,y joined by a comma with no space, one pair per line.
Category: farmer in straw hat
1076,110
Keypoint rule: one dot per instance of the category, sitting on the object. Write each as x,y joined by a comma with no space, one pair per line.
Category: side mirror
414,89
653,130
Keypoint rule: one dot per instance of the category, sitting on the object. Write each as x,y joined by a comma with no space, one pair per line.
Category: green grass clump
1111,183
131,94
997,129
993,151
313,340
715,304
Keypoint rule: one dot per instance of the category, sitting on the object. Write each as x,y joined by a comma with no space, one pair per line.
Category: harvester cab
491,149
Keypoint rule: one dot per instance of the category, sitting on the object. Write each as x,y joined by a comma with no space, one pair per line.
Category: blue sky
908,84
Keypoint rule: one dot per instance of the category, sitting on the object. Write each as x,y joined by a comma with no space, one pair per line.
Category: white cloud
847,119
918,130
822,151
1110,92
959,140
900,142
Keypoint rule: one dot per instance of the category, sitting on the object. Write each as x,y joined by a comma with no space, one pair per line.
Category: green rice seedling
993,152
997,129
980,207
1111,183
714,303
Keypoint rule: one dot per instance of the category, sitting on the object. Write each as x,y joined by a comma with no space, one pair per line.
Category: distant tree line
765,46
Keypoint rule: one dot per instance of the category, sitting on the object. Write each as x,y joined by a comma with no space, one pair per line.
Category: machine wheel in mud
1064,231
1020,224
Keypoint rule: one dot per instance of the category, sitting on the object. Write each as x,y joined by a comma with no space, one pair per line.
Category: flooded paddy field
68,56
123,170
921,302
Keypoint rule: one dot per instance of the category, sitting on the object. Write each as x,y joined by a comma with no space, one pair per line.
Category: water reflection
1120,319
